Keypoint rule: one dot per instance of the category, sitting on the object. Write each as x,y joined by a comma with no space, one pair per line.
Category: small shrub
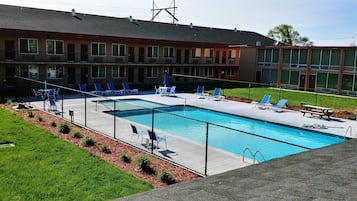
30,114
165,176
88,141
143,162
105,149
53,124
64,128
76,134
40,119
125,157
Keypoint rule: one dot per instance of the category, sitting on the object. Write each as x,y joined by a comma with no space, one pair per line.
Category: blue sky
325,22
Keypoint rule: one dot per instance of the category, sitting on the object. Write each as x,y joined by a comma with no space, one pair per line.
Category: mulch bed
116,148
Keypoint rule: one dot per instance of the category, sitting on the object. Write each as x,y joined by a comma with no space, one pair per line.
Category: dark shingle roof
23,18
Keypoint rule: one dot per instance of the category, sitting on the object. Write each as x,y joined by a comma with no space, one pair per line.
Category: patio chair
51,94
82,87
112,90
200,91
264,102
37,93
278,107
157,90
128,90
157,138
172,91
99,90
53,106
216,94
136,133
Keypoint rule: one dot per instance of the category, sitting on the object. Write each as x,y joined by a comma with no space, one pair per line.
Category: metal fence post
152,130
114,119
206,154
85,110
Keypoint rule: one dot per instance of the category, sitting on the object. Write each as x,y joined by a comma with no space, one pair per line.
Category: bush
125,157
30,114
105,149
88,141
165,176
76,134
64,128
143,162
53,124
40,119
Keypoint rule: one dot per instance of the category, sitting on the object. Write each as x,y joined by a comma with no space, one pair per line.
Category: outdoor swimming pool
131,104
230,132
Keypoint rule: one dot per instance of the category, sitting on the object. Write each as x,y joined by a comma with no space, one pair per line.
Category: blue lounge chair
99,90
112,89
172,91
37,93
82,87
128,90
154,137
264,102
217,94
200,91
53,106
278,107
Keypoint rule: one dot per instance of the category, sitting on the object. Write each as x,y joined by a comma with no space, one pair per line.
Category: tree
286,34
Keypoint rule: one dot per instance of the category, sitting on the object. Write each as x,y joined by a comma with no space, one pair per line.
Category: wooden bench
316,110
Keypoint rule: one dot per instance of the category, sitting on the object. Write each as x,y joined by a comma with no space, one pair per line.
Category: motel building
68,48
322,69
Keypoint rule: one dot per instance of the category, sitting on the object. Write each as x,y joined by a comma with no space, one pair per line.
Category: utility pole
171,10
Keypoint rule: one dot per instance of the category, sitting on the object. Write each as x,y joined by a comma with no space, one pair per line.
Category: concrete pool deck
330,169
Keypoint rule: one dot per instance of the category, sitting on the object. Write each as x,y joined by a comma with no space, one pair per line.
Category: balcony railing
132,59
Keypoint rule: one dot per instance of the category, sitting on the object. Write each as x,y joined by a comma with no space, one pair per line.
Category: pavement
328,173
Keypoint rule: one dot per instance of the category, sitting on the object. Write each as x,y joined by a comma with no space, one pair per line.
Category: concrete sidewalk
328,173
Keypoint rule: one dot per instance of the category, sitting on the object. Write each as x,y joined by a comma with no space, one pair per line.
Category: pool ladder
253,154
349,132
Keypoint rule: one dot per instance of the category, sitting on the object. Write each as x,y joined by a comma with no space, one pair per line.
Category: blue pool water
131,104
270,139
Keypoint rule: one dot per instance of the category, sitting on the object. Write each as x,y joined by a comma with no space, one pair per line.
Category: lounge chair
200,91
278,107
99,90
37,93
216,94
83,87
128,90
53,106
157,90
172,91
112,89
157,138
264,102
51,94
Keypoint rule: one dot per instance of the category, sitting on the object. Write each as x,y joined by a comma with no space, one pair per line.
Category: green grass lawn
294,97
44,167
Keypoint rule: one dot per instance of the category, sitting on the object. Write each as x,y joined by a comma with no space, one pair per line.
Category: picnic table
316,110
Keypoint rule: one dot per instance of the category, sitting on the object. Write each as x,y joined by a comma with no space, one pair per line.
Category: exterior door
312,79
187,56
131,54
141,74
84,75
131,75
71,75
302,81
84,52
141,54
10,72
178,56
9,49
70,52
